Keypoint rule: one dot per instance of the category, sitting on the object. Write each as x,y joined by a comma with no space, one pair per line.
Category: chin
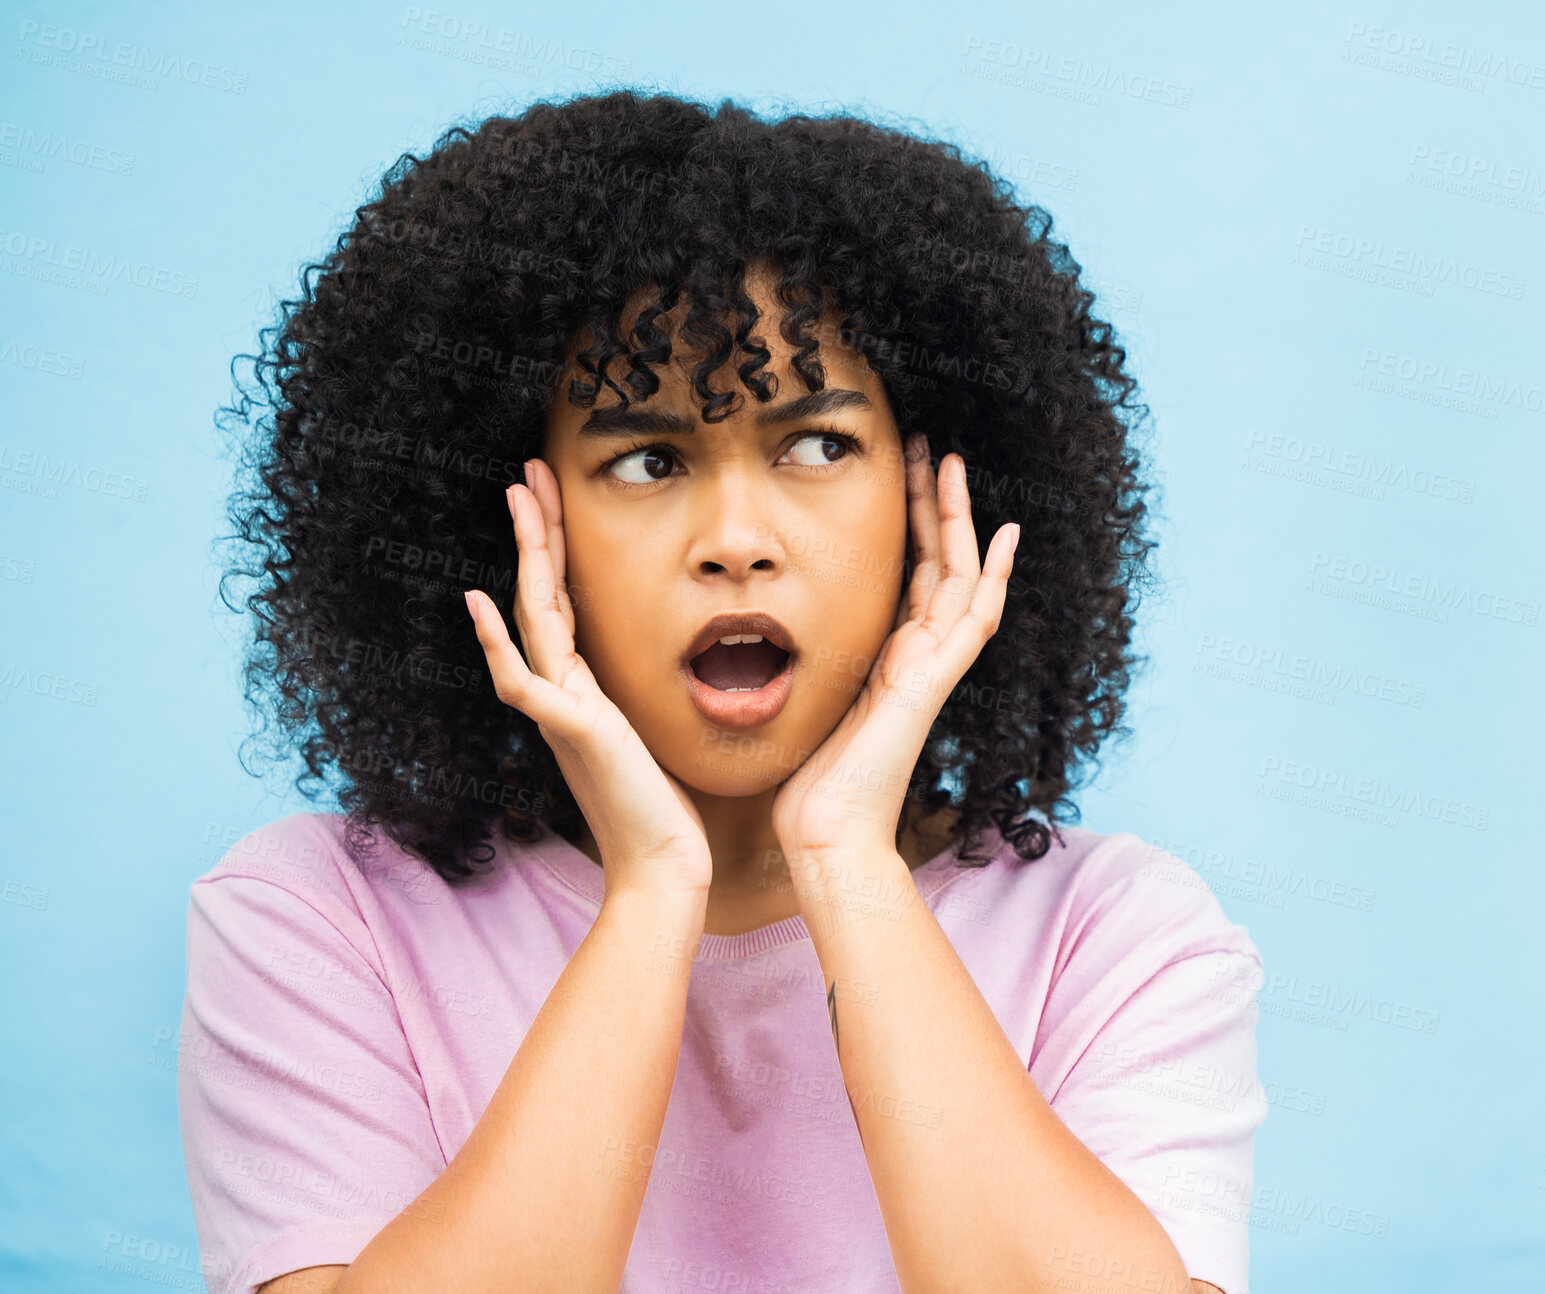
739,764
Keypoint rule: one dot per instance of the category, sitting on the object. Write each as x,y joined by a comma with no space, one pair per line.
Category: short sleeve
1166,1091
304,1120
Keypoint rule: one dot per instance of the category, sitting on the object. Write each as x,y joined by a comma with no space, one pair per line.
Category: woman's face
769,511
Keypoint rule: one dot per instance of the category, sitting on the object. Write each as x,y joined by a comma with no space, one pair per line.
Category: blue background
1252,227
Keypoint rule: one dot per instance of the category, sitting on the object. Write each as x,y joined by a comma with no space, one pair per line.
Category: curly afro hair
411,379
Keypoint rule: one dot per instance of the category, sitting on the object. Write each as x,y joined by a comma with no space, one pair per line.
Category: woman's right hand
650,834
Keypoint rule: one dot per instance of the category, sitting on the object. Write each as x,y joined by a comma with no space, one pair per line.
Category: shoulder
1144,958
1116,954
307,854
1103,899
299,840
282,886
308,876
1121,883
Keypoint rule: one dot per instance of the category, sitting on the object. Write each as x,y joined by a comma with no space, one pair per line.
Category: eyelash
854,444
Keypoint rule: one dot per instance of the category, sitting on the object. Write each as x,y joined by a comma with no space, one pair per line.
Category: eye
626,469
850,445
640,465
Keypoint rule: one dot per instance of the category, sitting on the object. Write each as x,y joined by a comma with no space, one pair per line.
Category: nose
737,531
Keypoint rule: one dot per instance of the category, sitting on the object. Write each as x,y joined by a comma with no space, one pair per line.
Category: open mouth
746,665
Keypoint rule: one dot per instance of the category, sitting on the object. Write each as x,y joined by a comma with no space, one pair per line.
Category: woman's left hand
848,795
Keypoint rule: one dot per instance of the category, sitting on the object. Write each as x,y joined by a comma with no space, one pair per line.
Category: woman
782,973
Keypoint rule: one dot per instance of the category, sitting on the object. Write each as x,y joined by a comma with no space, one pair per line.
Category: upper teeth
741,638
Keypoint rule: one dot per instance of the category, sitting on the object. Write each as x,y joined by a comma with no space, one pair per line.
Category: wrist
677,911
658,932
837,888
844,866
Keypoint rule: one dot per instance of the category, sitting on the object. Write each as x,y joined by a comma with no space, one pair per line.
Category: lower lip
739,711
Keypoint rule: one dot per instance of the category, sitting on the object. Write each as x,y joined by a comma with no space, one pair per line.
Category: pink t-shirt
345,1027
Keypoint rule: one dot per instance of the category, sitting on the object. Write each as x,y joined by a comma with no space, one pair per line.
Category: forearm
546,1192
980,1184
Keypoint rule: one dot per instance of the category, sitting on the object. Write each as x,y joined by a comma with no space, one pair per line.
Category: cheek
855,593
608,592
861,569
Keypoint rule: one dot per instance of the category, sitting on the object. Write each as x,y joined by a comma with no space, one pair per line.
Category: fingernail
471,605
509,500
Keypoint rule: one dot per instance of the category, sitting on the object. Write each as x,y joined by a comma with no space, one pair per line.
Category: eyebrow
618,422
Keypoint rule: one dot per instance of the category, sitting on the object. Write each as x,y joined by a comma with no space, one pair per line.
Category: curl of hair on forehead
649,343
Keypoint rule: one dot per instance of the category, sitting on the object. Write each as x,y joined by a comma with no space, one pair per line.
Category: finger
544,632
545,486
902,610
514,683
959,569
981,619
923,512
